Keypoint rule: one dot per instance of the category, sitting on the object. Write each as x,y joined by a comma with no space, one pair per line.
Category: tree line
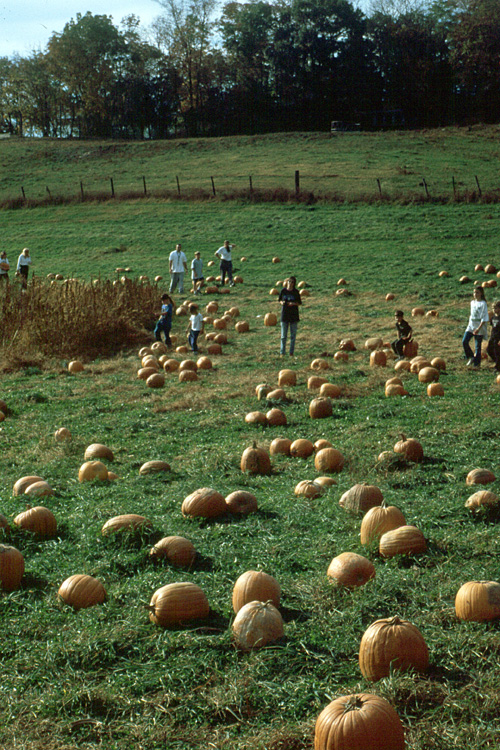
259,67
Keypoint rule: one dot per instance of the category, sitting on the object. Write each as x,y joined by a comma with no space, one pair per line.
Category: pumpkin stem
355,703
395,620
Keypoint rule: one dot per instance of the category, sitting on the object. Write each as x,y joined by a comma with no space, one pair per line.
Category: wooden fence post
379,187
112,187
250,182
144,185
81,190
454,187
22,191
213,185
478,186
48,191
178,186
297,182
425,187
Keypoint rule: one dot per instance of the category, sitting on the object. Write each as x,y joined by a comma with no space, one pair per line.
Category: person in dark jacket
493,348
290,300
404,330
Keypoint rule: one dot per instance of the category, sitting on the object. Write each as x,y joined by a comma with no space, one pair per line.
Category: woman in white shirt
477,327
23,264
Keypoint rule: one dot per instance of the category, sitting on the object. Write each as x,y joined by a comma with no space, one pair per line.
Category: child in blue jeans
195,327
164,322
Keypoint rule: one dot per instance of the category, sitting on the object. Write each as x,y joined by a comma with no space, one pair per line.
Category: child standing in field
164,322
404,330
493,348
197,272
477,327
195,327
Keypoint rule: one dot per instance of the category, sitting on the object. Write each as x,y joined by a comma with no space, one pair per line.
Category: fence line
277,193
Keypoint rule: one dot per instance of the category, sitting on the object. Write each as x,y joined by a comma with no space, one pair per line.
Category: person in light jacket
477,327
23,264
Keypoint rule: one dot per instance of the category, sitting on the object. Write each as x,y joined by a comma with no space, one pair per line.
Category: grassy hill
343,165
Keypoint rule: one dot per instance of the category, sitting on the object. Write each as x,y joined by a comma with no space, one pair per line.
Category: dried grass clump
90,320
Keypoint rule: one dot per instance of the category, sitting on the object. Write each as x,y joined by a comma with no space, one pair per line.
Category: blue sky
27,25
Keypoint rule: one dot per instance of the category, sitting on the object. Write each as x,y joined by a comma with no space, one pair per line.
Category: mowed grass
107,677
441,163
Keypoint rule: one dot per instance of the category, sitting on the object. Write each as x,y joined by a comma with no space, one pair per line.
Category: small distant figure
4,267
195,327
197,272
23,264
290,300
493,348
164,322
405,332
477,327
226,263
177,266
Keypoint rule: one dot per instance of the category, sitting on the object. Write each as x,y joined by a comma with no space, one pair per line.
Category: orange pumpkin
478,601
255,585
257,624
176,549
255,460
39,520
403,540
11,567
359,722
204,503
361,497
391,643
351,570
378,520
177,603
82,591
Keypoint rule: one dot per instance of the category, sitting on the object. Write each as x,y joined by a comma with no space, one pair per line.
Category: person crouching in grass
404,330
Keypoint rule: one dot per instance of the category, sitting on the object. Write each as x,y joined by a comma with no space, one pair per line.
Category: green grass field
345,165
106,677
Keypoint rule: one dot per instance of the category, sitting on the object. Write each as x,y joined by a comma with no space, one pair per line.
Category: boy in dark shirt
493,347
404,334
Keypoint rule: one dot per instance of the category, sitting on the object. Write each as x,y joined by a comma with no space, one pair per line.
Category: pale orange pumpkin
361,497
480,476
308,488
153,467
478,601
276,418
481,500
287,377
128,522
403,540
176,549
329,460
280,446
255,585
255,460
98,451
257,624
378,520
351,570
301,448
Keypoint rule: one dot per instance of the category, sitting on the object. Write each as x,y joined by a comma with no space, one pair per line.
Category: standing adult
226,262
477,327
177,266
290,300
4,267
23,264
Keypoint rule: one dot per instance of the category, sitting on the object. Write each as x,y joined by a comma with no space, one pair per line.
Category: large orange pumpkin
255,460
378,520
177,603
39,520
361,497
351,570
204,503
478,601
391,643
359,722
176,549
81,591
402,541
